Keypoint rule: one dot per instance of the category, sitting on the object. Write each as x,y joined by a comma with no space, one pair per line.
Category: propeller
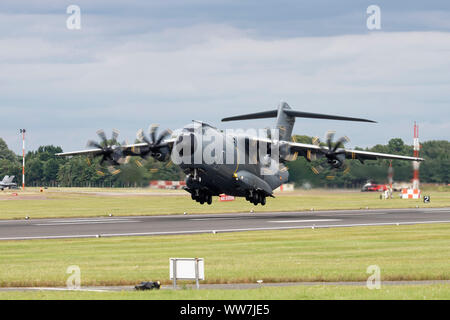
285,152
155,148
333,152
292,156
111,151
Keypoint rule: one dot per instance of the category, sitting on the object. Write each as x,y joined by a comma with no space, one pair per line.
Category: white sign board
185,268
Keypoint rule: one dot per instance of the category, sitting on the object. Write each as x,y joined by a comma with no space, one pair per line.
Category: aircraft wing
92,152
127,150
310,150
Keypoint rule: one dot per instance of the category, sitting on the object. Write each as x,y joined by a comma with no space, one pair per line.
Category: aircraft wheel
192,196
209,199
263,201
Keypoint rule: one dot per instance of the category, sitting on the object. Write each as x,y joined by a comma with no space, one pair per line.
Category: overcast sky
134,63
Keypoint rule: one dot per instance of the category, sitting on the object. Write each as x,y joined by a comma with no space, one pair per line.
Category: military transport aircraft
7,182
254,165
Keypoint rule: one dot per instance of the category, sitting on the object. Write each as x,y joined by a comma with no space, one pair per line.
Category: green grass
415,292
419,252
73,203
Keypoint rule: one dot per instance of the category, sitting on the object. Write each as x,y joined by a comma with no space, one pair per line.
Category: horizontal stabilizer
301,114
258,115
292,113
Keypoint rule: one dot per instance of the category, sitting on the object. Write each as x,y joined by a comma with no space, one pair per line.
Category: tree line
43,168
435,168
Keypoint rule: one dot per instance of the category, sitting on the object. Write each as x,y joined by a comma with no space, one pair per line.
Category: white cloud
74,79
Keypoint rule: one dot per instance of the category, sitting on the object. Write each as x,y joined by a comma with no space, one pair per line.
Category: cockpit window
203,124
197,125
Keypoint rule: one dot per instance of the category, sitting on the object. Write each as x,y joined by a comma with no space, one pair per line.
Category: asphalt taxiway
231,286
213,223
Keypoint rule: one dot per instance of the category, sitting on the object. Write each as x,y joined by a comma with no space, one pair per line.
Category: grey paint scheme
246,180
233,178
7,182
285,123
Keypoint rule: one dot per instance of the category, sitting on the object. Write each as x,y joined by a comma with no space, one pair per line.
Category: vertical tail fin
285,123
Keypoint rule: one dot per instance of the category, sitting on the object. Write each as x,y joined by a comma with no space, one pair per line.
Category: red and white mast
22,131
416,154
390,175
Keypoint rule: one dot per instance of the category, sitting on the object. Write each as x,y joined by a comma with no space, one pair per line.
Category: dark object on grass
148,285
426,199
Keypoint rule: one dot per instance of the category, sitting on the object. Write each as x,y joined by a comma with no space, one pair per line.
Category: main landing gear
201,197
256,197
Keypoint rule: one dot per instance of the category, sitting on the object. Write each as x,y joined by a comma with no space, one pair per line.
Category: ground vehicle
374,187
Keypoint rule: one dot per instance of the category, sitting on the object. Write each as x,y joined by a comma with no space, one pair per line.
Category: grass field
99,202
419,252
285,293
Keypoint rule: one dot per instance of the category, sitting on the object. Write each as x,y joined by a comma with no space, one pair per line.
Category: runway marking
59,289
295,221
224,230
81,223
437,209
356,214
201,219
124,219
86,220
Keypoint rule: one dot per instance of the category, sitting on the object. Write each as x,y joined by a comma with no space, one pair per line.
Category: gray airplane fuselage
226,164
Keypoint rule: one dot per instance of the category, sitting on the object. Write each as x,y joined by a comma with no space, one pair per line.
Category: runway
215,223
